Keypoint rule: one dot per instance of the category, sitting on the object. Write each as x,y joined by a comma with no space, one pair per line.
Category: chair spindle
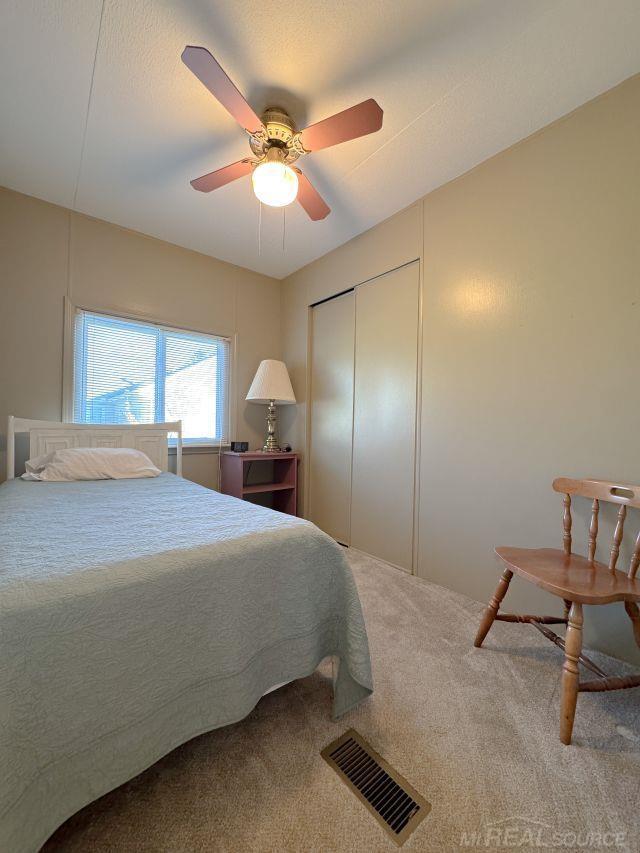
617,537
634,614
635,558
593,529
566,523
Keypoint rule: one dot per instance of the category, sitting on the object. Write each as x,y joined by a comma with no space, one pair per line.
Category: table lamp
271,385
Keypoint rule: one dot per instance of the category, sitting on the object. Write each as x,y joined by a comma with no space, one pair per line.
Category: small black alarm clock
239,446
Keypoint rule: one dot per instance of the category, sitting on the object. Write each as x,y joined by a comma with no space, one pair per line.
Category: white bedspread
135,615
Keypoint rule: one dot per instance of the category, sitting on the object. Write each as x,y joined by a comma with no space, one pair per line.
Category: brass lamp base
271,444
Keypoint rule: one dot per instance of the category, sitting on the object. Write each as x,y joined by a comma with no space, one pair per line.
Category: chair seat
570,576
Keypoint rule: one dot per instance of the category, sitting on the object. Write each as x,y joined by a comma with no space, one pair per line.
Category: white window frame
71,308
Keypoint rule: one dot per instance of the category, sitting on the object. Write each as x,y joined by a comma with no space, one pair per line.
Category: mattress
136,614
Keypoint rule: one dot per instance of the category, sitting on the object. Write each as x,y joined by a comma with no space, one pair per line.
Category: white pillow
90,463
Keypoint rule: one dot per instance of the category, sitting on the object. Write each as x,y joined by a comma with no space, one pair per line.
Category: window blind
127,372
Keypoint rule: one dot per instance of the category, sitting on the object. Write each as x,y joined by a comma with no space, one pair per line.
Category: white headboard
46,436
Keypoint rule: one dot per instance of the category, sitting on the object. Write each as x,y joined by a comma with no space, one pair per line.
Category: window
126,372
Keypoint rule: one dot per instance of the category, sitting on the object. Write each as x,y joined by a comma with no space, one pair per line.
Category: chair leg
570,673
491,610
634,614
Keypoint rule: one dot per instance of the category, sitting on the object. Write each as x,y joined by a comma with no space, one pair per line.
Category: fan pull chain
259,228
86,117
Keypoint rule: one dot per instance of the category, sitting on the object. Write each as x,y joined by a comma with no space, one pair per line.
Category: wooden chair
578,580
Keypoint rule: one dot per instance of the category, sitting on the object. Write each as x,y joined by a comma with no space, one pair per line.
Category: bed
136,614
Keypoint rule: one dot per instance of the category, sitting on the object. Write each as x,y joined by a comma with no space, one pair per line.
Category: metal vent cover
394,803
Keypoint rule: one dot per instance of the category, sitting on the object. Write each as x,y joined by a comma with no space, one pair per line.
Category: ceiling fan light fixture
275,141
275,183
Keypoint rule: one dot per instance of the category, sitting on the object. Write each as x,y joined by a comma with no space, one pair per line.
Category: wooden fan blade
211,74
357,121
223,176
310,199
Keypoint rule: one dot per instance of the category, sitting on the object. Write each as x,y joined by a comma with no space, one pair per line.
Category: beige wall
47,252
531,327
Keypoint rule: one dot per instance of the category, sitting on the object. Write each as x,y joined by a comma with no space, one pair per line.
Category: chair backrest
623,494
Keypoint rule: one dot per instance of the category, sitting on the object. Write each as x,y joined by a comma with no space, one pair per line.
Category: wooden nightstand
283,486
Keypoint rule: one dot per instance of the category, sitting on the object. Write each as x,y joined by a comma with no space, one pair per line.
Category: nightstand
283,485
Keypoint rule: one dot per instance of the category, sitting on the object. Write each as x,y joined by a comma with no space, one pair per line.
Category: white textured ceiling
458,80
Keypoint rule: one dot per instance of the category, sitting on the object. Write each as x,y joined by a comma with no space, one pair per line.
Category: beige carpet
475,730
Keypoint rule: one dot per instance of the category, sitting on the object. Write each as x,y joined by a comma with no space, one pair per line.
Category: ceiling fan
274,140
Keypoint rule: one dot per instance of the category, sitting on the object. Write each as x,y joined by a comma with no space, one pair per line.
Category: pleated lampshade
271,382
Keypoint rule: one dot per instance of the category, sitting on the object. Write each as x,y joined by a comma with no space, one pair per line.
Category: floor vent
397,806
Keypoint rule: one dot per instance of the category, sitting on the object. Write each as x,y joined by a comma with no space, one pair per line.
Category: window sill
189,449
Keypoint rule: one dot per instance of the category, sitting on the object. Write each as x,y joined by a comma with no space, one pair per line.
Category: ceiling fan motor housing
280,126
279,133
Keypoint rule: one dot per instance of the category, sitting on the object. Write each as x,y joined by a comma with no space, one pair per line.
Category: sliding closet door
384,427
331,415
